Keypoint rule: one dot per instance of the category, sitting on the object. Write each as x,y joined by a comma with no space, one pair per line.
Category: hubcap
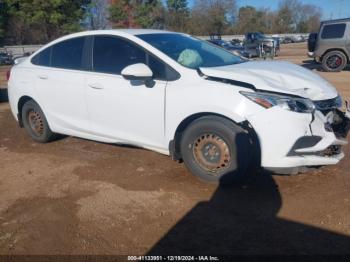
36,123
211,153
334,61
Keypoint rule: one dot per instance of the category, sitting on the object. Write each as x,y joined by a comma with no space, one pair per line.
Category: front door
125,111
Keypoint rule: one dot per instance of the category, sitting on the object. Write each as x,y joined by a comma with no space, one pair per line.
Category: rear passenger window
333,31
43,58
112,54
68,54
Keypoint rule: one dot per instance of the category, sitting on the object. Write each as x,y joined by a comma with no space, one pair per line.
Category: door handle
43,77
95,86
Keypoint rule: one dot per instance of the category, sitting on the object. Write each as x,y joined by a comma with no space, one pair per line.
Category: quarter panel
22,83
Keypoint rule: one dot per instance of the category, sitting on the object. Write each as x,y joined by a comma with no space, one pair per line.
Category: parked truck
260,45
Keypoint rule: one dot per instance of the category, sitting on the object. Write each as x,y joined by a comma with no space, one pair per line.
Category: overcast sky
331,8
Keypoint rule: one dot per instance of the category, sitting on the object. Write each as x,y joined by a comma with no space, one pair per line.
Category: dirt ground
75,196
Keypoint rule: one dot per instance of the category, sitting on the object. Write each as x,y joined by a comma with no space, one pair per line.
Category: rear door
60,84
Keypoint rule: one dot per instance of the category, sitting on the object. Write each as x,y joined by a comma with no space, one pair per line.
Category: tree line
40,21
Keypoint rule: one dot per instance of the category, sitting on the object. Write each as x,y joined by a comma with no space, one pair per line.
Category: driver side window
112,54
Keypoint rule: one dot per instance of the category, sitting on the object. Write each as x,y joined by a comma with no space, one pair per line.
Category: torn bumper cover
290,140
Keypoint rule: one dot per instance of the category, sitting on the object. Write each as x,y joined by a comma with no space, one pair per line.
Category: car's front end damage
300,122
290,141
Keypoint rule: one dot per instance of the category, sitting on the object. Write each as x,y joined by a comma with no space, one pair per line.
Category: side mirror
140,72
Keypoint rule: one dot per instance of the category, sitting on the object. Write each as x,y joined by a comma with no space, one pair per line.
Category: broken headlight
295,104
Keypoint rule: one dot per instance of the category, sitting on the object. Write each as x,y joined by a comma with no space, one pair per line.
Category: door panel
123,110
126,111
60,84
62,93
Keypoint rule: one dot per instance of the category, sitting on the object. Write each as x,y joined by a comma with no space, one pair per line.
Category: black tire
35,123
203,146
334,61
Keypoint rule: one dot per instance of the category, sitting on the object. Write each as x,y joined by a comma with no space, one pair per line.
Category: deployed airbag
190,58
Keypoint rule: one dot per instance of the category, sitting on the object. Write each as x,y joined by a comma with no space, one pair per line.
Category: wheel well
21,103
174,145
336,49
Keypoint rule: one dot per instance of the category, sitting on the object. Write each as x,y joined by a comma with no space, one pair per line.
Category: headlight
301,105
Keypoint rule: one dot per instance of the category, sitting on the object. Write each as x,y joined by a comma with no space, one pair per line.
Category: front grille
328,105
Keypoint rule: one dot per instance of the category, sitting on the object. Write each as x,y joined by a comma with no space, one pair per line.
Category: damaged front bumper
291,141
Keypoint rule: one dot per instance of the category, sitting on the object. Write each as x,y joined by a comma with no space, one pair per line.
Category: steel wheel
211,153
36,123
216,150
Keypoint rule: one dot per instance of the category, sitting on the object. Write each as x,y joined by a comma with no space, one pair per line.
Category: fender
173,126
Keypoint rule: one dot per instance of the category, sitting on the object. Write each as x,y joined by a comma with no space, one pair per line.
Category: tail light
8,75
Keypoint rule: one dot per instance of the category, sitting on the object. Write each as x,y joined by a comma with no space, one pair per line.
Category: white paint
109,108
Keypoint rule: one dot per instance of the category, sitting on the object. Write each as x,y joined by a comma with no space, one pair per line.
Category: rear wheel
216,150
35,123
334,61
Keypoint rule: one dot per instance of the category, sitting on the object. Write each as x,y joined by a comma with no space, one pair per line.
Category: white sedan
180,96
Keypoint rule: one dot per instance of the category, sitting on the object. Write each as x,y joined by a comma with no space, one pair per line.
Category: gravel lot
75,196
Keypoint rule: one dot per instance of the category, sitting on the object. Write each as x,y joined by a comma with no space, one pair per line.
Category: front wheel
216,150
334,61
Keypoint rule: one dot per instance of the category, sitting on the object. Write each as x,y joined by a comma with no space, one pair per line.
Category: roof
120,32
141,31
336,21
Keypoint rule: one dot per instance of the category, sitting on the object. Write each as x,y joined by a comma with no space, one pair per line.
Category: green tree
120,13
97,15
212,16
3,20
45,19
177,5
137,13
178,15
284,20
149,14
294,16
309,20
247,19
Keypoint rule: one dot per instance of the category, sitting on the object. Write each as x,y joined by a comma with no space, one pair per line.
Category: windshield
189,51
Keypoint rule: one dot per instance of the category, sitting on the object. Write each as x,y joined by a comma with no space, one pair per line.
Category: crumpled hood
276,76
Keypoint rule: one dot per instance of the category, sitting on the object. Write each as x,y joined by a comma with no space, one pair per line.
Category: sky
332,9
